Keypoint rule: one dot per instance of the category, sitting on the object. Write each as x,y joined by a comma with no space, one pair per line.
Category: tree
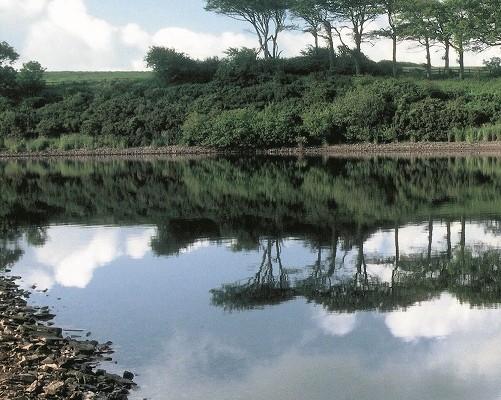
316,15
31,78
392,9
357,14
418,22
487,22
442,31
170,65
7,54
460,27
267,17
7,73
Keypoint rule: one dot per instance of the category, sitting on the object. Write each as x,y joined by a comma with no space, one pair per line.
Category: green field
55,77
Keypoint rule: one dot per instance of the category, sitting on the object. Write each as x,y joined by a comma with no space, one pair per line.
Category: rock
25,378
128,375
36,362
33,388
54,388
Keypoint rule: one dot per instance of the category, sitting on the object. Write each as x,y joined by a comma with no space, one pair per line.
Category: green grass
474,86
56,77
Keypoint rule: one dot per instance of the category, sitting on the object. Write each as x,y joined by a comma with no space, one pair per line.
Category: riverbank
419,149
37,362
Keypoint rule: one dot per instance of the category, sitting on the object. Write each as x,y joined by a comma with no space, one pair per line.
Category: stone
54,388
36,362
128,375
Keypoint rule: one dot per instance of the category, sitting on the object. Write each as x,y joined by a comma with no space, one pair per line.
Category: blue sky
116,34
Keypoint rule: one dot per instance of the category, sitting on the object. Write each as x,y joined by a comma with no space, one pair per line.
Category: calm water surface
270,278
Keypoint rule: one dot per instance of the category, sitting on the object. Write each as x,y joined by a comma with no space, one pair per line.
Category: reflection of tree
332,203
473,274
493,227
11,233
267,286
175,235
10,251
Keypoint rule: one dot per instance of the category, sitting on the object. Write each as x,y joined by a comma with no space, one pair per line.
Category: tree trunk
357,55
461,62
394,60
428,58
330,41
447,58
430,237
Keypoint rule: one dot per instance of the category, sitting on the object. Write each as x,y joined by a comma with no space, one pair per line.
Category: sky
113,35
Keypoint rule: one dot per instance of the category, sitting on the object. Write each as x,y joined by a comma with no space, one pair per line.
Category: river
261,277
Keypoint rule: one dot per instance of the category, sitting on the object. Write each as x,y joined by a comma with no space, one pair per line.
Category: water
269,278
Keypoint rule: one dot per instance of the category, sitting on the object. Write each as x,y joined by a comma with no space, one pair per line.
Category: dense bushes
274,108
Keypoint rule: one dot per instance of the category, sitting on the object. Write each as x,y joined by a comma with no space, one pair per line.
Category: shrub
169,65
195,129
425,120
279,124
40,143
75,141
14,145
365,113
320,125
493,66
233,129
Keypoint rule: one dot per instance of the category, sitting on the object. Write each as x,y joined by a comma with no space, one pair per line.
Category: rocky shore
37,362
418,149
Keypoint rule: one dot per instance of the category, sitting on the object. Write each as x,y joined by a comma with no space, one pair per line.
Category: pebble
37,362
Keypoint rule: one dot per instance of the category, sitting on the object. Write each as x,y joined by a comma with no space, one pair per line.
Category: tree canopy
455,24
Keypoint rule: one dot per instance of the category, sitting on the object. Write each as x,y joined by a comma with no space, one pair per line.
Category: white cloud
200,45
72,18
134,36
67,37
28,8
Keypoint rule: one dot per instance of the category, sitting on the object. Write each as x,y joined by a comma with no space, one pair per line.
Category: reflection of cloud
197,244
441,318
138,245
472,335
332,323
437,318
71,254
294,375
190,362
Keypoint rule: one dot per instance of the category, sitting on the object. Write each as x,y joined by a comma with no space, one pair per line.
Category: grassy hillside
57,77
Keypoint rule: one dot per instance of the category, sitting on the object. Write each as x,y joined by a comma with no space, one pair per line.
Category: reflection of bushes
241,297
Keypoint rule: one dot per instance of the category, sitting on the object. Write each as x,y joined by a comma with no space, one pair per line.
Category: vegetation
254,99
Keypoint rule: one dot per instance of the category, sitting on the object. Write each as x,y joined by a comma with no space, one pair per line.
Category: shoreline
417,149
37,362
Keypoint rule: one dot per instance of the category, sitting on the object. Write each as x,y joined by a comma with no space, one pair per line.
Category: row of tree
455,24
28,81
